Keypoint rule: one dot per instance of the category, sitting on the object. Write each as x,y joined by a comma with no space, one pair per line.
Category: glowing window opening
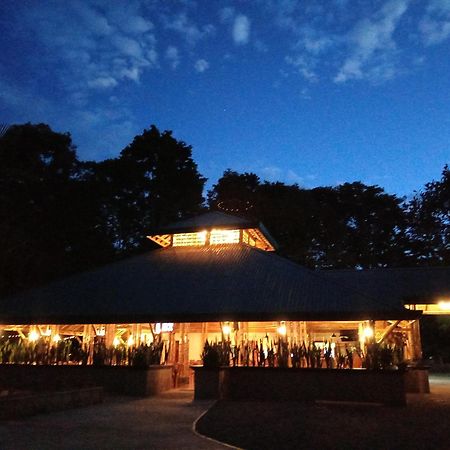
218,237
189,239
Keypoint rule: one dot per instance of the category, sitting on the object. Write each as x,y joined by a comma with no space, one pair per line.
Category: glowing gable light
33,336
224,237
189,239
56,338
444,305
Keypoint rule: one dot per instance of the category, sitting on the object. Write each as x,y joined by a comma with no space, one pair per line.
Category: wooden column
416,341
110,329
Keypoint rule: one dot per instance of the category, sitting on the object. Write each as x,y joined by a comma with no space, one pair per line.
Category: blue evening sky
314,92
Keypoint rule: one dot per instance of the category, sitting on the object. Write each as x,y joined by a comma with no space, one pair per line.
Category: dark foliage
348,226
59,215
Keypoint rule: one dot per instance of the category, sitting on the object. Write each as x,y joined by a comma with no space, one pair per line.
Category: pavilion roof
185,284
411,284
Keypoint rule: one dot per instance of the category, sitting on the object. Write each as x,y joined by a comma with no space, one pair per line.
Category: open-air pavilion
217,277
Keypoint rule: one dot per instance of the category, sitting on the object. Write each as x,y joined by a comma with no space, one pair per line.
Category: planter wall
208,382
114,379
19,406
416,380
265,383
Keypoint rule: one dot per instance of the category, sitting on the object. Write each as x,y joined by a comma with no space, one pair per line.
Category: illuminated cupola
214,228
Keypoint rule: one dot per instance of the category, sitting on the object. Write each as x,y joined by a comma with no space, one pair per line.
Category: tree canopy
60,215
350,225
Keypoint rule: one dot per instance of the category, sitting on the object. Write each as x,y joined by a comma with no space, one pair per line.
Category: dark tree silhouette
154,181
429,220
46,228
351,225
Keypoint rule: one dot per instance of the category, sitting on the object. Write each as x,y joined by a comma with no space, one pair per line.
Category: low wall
114,379
266,383
416,380
19,406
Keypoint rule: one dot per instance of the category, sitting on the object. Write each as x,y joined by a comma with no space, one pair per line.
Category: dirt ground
423,424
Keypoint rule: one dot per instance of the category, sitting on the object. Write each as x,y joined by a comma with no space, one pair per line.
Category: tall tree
352,225
359,226
429,221
45,231
154,181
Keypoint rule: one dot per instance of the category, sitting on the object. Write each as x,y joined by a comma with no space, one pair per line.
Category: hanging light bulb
226,328
282,329
33,336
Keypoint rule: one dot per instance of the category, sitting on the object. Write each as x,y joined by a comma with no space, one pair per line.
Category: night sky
307,92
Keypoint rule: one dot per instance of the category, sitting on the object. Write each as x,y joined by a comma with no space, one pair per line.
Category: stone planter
24,405
288,384
115,379
416,380
208,382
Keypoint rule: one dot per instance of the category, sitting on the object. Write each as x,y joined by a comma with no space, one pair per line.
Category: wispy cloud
304,66
102,82
99,49
435,26
275,173
226,14
241,29
173,56
187,28
371,44
201,65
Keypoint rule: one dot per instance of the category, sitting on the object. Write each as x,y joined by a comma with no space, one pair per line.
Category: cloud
274,173
435,26
271,173
226,14
103,82
303,66
190,31
99,47
201,65
173,56
371,43
128,46
241,30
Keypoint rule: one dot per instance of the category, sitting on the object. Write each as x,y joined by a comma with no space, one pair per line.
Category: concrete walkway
163,422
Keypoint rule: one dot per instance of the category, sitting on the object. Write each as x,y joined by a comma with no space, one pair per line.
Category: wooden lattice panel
161,239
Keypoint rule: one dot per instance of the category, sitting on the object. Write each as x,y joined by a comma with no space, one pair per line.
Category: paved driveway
163,422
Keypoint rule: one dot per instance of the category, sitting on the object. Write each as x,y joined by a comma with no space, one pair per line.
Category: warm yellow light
226,329
130,340
189,239
224,237
368,332
444,305
116,341
56,338
33,336
47,332
101,331
282,329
